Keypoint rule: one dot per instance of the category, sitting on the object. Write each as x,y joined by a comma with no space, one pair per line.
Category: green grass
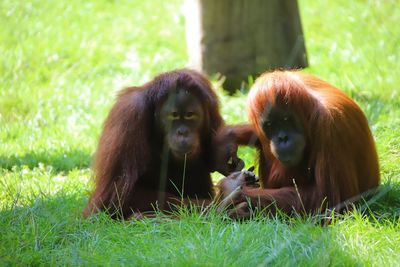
61,63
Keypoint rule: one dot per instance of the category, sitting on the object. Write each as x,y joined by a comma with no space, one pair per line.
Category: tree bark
242,38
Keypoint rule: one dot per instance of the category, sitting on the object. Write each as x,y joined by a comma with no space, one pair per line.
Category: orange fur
341,157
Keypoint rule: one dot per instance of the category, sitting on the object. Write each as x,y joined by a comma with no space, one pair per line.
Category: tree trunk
242,38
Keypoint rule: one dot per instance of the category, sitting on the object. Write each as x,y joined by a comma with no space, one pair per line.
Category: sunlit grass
62,63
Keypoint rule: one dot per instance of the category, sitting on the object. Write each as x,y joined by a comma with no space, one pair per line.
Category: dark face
181,119
286,135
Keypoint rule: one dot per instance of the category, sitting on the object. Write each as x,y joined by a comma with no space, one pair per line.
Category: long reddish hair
340,148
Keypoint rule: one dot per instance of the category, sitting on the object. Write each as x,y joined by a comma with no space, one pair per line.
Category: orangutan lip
180,153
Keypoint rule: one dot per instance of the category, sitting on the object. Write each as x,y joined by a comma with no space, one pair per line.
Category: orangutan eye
173,116
190,116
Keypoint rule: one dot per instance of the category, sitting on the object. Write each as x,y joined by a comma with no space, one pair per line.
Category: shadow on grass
59,160
387,206
50,230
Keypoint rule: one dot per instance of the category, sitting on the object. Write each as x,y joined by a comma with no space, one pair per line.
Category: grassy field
61,63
